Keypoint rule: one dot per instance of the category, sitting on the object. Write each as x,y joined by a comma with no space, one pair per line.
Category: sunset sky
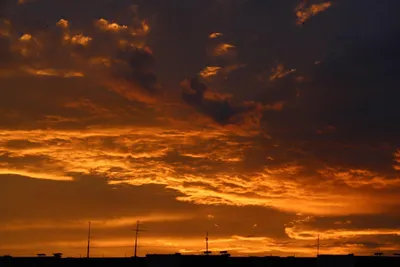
264,122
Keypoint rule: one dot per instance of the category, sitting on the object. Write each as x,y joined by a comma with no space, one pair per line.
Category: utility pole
318,246
206,242
137,231
207,252
88,243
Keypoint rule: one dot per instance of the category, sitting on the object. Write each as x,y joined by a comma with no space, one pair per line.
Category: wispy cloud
99,224
215,35
397,160
223,49
210,71
304,12
54,72
279,72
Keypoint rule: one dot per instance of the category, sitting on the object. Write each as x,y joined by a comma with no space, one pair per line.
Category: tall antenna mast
318,246
137,231
88,243
206,242
207,252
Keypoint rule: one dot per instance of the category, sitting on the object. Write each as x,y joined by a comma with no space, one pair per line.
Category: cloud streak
304,12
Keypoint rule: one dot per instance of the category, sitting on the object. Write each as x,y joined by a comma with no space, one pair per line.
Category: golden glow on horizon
98,223
337,233
235,244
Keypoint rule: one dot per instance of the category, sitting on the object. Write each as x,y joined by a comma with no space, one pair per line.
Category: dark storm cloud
356,91
220,110
218,107
141,63
347,104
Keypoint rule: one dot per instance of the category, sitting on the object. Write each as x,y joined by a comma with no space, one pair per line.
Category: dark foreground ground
207,261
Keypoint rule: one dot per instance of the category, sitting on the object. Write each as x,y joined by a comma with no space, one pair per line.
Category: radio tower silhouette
137,231
318,246
207,252
88,243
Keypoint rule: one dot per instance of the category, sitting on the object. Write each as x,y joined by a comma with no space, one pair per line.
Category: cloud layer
118,113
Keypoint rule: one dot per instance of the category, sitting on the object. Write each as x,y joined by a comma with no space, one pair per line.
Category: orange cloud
143,30
138,28
98,223
5,28
276,106
215,35
210,71
304,13
279,72
80,39
54,72
26,45
211,182
110,26
298,230
35,174
26,37
222,49
63,23
397,160
357,178
213,150
58,53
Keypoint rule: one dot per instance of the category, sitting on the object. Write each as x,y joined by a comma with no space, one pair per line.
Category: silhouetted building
219,260
336,260
57,255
